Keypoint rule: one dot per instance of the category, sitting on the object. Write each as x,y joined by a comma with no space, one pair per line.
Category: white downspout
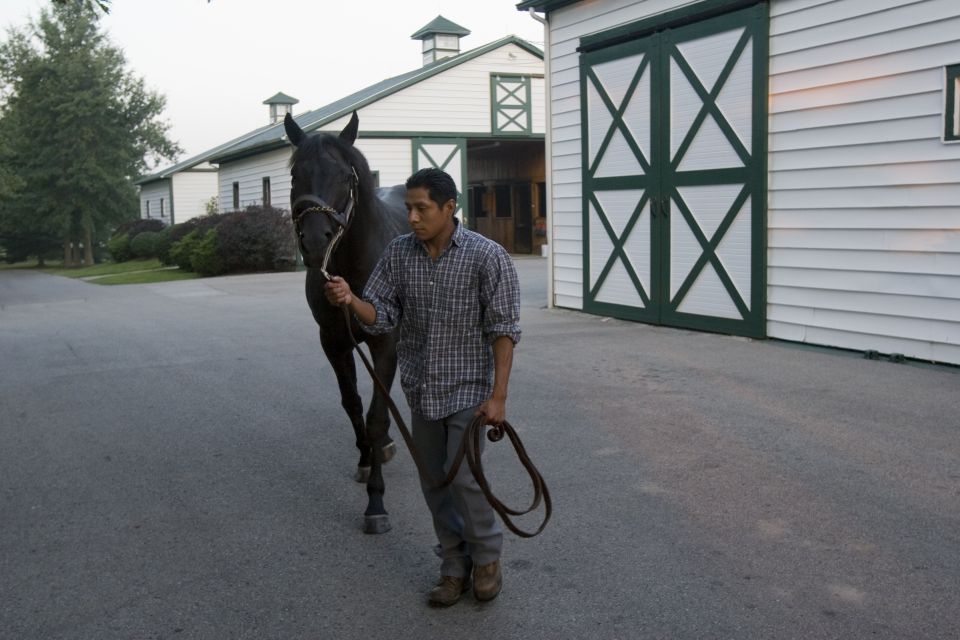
548,150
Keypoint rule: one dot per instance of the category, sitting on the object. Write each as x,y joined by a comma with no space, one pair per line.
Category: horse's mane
313,146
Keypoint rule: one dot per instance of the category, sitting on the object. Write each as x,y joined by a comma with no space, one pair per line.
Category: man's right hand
338,292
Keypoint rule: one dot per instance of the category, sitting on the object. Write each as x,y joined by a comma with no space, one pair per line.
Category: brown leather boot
487,581
448,590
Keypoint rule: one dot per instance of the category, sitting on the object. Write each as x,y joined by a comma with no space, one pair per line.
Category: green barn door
701,199
619,181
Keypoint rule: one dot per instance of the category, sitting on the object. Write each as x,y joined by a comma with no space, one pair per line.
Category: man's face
426,218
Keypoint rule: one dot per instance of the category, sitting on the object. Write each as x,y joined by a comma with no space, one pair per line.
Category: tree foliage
78,129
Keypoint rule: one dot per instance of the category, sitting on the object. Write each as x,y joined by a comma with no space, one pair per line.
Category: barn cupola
441,39
280,105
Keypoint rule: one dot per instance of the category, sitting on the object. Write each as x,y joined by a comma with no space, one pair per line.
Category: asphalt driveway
174,463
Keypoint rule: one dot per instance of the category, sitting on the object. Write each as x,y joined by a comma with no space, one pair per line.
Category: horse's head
325,187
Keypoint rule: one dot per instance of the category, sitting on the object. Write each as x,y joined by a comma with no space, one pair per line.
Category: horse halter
341,219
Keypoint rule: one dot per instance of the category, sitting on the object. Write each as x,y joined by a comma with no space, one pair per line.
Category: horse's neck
363,242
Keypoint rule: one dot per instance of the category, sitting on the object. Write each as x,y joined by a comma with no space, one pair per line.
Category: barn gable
478,115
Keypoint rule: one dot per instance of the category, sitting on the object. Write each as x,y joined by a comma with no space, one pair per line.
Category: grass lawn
105,268
130,272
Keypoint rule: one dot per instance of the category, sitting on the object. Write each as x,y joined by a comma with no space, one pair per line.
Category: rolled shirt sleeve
381,292
500,297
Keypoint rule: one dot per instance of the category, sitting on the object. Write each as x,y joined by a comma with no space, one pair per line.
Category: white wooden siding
392,157
864,198
192,191
250,172
864,202
457,100
154,192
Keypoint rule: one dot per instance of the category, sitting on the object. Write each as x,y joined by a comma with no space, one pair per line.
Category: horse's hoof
376,524
389,452
362,475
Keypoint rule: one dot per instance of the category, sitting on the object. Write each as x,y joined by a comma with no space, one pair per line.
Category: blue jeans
466,525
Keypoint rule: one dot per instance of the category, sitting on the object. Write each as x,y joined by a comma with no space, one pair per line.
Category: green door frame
662,176
515,105
419,144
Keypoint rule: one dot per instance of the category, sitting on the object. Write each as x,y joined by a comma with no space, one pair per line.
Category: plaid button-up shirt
449,311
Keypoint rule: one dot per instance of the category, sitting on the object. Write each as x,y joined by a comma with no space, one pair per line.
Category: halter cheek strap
341,219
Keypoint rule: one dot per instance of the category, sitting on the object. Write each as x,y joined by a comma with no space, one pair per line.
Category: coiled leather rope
469,450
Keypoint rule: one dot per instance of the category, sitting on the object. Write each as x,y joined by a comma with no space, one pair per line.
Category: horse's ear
294,132
349,132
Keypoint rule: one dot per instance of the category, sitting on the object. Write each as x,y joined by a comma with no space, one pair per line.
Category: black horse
343,225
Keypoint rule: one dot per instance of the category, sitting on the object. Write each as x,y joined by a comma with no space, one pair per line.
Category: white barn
178,193
785,169
184,190
478,114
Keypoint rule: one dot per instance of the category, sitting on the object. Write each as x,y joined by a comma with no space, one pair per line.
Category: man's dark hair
439,185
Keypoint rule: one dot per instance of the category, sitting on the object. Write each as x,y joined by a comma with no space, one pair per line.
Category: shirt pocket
459,303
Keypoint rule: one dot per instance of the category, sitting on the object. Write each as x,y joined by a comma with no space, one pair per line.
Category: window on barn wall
447,41
510,110
504,206
162,214
148,208
236,196
477,194
266,192
951,113
376,179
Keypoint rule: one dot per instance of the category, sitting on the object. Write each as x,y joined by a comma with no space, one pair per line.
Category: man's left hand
494,410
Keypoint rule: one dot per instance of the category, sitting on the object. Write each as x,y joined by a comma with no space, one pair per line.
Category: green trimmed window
510,109
951,112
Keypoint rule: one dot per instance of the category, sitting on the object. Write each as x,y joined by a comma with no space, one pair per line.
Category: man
456,298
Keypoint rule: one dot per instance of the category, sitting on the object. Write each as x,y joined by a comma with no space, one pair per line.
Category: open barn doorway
507,194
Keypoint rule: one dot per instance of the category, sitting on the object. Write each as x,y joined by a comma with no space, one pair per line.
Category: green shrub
134,227
205,258
256,239
182,250
164,242
144,244
119,248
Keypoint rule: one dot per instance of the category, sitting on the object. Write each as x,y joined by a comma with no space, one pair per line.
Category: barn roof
440,25
191,162
273,136
281,98
543,5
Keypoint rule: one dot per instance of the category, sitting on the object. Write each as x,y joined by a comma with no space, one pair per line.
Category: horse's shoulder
392,196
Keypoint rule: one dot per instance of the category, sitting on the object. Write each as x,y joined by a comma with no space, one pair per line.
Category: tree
78,129
103,5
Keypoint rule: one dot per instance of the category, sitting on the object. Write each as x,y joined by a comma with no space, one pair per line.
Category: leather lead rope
470,449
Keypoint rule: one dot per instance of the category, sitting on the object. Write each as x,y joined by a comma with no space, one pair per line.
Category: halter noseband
341,219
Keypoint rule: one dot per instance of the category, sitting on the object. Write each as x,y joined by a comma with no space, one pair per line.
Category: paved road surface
174,463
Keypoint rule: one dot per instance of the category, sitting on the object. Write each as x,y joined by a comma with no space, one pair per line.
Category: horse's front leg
384,354
346,371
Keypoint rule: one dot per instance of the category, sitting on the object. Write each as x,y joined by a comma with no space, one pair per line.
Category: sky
217,61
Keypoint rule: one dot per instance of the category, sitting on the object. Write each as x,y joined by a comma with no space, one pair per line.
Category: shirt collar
458,233
457,239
